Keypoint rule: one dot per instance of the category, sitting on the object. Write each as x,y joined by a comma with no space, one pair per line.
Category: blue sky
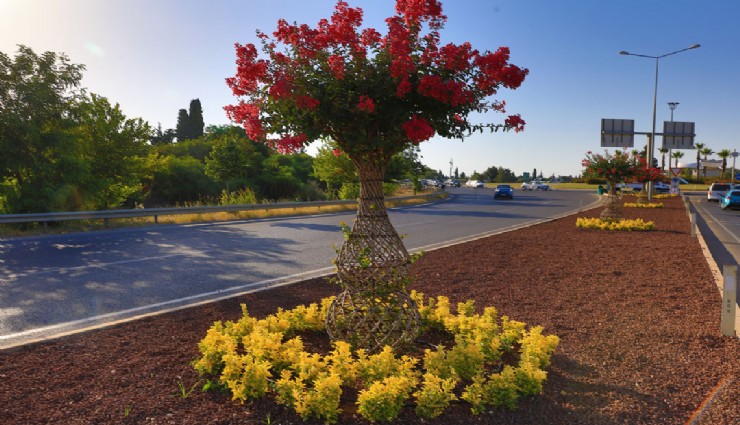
154,56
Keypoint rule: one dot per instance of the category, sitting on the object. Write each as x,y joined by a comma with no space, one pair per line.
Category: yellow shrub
643,205
254,357
627,225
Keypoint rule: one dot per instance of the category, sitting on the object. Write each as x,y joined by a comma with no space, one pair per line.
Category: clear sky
154,56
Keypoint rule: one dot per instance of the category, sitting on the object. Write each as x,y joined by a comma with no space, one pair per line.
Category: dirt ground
637,313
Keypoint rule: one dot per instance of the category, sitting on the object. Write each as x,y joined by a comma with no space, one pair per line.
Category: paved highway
720,229
55,284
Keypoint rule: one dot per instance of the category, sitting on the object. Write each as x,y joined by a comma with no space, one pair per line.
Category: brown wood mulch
638,314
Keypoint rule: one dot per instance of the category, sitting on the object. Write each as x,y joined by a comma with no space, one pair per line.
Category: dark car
503,191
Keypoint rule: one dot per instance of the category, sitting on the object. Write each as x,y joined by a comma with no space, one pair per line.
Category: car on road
661,187
718,190
452,183
535,185
503,191
474,183
730,200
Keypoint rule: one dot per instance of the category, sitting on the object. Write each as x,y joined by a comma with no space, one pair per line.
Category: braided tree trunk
612,204
374,308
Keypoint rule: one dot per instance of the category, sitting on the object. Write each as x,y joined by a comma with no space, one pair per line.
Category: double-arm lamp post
651,140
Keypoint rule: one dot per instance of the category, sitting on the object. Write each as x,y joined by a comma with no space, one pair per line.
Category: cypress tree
196,119
183,129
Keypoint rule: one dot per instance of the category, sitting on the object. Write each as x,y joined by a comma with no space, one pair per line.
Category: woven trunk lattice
374,308
612,208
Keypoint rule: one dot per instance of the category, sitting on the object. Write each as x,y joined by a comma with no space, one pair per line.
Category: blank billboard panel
678,135
617,133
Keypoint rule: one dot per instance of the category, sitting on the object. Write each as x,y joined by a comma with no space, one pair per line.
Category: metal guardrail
156,212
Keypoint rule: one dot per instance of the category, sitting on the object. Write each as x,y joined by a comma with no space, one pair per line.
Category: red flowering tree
374,95
616,168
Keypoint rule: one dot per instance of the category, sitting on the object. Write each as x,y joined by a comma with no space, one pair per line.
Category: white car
474,183
535,185
717,191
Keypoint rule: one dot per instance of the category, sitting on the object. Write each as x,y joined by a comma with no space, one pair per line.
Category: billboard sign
617,133
678,135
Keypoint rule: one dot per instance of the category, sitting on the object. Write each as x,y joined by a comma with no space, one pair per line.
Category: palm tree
677,155
724,154
706,152
663,151
698,147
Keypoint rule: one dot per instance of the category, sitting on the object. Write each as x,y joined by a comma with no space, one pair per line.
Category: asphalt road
720,229
57,284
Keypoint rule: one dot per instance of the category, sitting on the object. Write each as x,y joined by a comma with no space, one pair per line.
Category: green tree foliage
490,174
63,149
113,149
179,181
36,148
333,169
196,119
161,137
233,159
183,129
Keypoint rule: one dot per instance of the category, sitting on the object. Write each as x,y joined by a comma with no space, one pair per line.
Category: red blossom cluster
439,85
417,130
515,122
288,143
366,104
617,167
452,92
248,114
307,103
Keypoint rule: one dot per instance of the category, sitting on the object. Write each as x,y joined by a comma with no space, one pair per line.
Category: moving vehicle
730,200
535,185
474,183
718,190
452,183
503,191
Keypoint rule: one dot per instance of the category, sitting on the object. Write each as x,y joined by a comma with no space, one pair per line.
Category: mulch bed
637,314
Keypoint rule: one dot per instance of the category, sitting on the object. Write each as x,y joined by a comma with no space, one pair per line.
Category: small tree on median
374,95
614,168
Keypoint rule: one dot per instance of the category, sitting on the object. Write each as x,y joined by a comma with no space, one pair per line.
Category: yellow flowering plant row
643,205
626,225
492,362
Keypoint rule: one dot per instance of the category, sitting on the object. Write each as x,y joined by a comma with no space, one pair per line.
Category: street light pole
672,106
651,137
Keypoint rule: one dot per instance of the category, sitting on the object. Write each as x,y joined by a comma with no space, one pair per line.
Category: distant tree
183,129
678,155
333,168
534,174
698,147
663,151
706,152
457,175
196,119
38,154
724,154
233,160
114,150
490,174
160,137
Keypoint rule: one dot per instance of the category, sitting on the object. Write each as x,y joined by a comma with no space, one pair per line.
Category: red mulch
637,314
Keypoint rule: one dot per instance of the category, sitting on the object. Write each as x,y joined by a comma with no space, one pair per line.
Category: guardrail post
106,222
729,298
156,219
693,224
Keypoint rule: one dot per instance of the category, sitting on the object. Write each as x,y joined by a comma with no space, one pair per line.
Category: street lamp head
672,105
624,52
695,46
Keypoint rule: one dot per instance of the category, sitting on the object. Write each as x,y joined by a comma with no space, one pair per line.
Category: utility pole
450,167
672,107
